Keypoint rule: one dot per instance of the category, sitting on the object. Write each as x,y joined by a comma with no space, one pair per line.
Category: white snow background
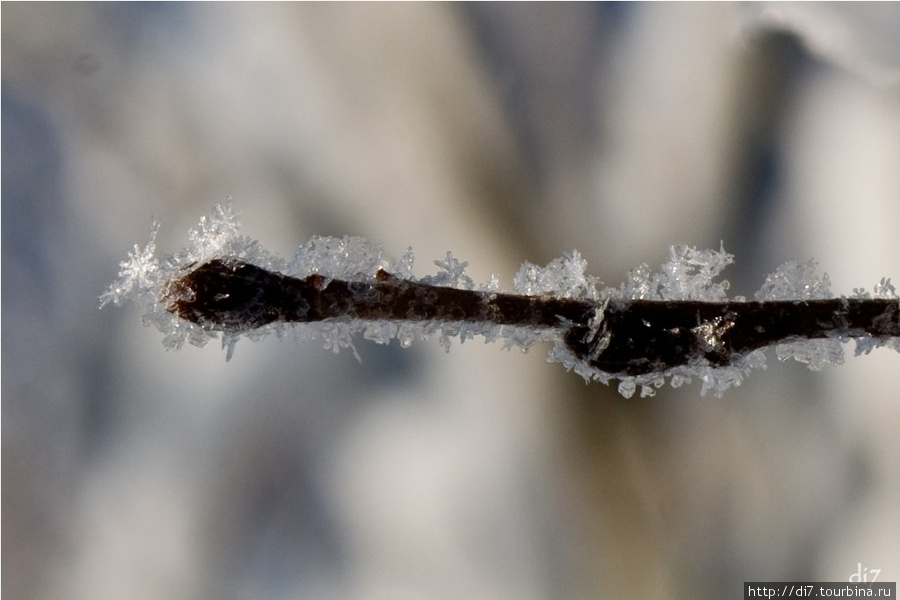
505,134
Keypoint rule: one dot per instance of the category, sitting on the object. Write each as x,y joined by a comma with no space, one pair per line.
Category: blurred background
504,133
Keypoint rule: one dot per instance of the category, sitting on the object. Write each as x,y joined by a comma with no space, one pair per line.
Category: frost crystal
563,277
138,275
688,275
349,257
796,281
143,278
801,281
884,289
584,340
452,274
864,345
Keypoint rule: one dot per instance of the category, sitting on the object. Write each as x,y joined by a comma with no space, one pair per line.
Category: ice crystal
885,289
349,257
689,274
796,280
864,345
143,277
563,277
452,274
138,274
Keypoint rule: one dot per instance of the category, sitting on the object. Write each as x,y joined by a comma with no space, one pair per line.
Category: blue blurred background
502,132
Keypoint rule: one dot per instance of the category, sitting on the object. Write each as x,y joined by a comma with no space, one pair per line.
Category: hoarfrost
350,257
138,274
493,285
143,277
627,387
452,274
885,289
688,274
563,277
380,332
796,280
864,345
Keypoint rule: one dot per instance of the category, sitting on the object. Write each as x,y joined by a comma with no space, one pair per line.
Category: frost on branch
145,279
689,274
562,277
675,324
801,281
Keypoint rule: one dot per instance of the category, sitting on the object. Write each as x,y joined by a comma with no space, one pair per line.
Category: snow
688,274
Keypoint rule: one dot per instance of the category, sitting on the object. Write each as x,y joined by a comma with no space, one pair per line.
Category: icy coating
688,274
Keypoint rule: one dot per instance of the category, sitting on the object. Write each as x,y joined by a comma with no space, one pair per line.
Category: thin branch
628,337
675,324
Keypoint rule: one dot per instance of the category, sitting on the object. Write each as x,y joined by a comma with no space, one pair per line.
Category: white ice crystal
563,277
688,274
796,280
349,258
691,274
884,290
452,274
143,277
138,275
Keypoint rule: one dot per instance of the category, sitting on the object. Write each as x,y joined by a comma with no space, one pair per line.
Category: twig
677,323
635,337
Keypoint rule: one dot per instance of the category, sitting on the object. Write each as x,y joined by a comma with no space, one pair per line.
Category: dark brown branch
633,337
652,336
231,295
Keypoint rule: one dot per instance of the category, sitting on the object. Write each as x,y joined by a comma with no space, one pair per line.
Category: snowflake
138,274
453,273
